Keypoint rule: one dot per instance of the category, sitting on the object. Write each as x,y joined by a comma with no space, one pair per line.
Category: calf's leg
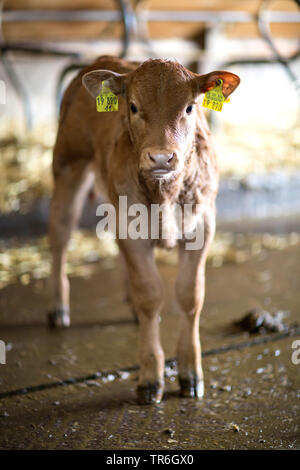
128,295
146,297
190,290
71,184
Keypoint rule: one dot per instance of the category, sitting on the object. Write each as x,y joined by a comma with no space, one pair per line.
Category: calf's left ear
204,83
92,81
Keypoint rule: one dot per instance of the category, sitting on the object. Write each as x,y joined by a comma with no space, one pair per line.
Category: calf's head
161,99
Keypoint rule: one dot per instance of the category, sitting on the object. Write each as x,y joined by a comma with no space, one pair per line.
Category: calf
156,149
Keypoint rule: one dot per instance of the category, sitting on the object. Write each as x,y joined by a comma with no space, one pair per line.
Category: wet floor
252,393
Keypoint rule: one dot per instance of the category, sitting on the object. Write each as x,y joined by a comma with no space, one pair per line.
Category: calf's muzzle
159,162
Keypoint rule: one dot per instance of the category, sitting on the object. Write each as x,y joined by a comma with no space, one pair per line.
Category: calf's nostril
161,158
151,158
172,155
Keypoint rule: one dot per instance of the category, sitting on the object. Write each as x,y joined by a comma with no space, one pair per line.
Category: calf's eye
189,109
133,108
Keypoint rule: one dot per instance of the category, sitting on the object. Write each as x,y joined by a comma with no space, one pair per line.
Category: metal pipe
60,81
35,49
152,15
19,89
216,17
22,16
129,23
263,21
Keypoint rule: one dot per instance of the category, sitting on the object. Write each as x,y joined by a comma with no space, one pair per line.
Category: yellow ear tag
106,101
214,98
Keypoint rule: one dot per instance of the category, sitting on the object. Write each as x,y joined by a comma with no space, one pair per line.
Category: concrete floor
252,394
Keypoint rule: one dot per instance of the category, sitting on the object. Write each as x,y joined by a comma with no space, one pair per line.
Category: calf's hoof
59,318
150,393
192,387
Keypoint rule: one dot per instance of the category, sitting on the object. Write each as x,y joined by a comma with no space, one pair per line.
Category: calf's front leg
146,297
190,290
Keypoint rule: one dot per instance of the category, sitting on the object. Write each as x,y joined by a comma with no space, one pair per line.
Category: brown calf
156,149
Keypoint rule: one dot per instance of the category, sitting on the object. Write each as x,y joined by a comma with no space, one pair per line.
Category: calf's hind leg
71,184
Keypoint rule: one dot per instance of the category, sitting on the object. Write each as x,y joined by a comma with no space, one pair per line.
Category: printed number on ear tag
106,101
214,98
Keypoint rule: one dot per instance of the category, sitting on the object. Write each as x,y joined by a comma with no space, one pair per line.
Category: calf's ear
206,82
92,81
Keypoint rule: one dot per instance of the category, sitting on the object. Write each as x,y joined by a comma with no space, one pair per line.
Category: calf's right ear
92,81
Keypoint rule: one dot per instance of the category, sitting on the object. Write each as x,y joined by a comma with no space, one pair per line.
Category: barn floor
251,400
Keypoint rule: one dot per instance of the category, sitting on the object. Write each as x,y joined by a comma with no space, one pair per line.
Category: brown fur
117,148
